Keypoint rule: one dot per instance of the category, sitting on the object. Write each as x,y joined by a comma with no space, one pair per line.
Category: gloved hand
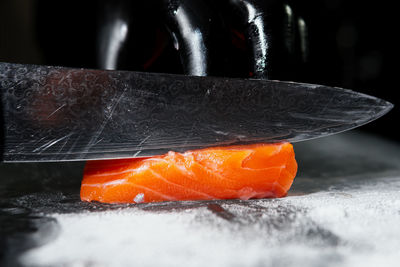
236,38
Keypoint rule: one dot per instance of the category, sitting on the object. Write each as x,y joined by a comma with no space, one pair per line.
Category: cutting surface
343,210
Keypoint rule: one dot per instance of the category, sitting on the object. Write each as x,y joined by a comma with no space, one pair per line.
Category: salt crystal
139,198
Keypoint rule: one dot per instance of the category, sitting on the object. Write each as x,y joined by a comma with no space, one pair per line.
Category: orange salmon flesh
244,172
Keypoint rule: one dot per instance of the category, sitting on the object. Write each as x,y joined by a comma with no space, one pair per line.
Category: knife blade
63,114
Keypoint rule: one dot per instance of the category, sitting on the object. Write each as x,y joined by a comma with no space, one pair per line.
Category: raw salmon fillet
251,171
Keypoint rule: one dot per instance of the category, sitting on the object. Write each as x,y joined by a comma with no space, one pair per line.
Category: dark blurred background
350,44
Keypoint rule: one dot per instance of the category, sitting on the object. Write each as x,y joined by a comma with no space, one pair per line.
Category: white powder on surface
345,212
350,227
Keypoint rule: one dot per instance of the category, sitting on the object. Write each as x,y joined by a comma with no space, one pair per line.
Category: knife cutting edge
64,114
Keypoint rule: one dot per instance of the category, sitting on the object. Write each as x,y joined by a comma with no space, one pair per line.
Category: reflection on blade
54,113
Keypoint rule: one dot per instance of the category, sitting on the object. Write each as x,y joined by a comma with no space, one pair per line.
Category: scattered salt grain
139,198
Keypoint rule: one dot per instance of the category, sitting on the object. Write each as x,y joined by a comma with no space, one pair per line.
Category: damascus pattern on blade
55,113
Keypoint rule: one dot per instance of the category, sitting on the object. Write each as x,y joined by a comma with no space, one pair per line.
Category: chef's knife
62,114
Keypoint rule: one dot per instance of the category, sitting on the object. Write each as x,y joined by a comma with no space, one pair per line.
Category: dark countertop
343,210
